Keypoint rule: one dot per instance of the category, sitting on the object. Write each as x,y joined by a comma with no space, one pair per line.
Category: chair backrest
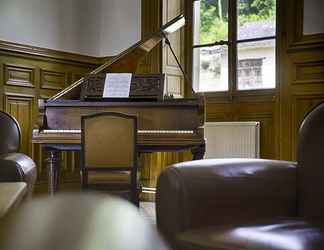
310,158
9,133
109,140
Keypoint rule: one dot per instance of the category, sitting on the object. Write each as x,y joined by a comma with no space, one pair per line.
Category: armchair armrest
223,191
16,167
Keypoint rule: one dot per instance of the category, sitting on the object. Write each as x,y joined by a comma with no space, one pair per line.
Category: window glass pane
256,66
210,69
210,21
256,18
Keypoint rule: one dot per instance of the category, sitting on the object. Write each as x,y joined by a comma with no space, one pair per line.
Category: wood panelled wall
302,75
28,74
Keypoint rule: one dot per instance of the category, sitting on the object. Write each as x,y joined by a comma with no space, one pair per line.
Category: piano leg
53,169
198,152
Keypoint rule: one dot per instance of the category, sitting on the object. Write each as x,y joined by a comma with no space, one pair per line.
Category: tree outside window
252,43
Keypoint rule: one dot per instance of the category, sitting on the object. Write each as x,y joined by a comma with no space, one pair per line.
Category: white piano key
75,131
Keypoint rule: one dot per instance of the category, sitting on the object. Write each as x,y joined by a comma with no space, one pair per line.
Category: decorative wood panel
309,72
53,79
19,75
21,107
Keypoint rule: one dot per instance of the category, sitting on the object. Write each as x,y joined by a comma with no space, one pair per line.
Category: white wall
90,27
120,25
313,17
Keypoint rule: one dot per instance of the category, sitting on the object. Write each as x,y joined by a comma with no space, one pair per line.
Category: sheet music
117,85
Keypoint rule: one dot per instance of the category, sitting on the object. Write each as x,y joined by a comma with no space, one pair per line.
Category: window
249,72
237,50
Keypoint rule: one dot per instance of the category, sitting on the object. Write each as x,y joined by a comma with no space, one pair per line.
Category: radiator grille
232,139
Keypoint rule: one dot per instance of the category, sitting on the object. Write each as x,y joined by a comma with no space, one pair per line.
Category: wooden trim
50,53
299,41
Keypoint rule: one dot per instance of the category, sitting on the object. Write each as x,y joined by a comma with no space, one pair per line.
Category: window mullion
221,42
232,32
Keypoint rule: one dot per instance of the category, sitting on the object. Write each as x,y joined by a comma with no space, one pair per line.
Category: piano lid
126,61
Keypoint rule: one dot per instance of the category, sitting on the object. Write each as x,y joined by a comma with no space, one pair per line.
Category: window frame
232,44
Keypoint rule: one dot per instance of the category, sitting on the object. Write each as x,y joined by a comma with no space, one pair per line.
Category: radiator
232,139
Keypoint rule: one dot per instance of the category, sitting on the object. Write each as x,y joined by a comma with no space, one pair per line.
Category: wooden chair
109,153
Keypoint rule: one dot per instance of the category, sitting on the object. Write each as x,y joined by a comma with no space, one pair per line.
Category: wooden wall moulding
21,107
53,79
48,54
219,117
309,72
19,75
297,39
268,96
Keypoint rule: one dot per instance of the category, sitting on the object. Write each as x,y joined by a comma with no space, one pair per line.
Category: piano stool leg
53,169
198,152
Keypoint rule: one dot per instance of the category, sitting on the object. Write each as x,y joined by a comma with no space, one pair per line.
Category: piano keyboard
77,131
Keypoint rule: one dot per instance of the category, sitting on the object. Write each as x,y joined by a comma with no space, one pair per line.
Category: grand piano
164,124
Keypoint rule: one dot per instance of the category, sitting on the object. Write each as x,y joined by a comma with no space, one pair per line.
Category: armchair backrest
9,133
310,158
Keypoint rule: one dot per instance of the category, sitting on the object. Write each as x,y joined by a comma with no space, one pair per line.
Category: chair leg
84,179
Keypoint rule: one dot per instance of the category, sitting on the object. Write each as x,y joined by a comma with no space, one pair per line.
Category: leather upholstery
239,203
18,167
273,234
310,157
212,192
14,166
9,134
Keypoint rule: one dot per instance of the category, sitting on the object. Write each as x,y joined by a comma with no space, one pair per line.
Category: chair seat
284,234
121,177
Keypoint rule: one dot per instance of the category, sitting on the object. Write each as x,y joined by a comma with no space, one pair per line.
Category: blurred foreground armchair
227,204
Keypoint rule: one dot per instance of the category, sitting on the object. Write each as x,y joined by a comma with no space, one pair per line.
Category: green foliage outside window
214,16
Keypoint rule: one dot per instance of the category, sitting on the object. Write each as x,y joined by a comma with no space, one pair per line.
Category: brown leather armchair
14,166
227,204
